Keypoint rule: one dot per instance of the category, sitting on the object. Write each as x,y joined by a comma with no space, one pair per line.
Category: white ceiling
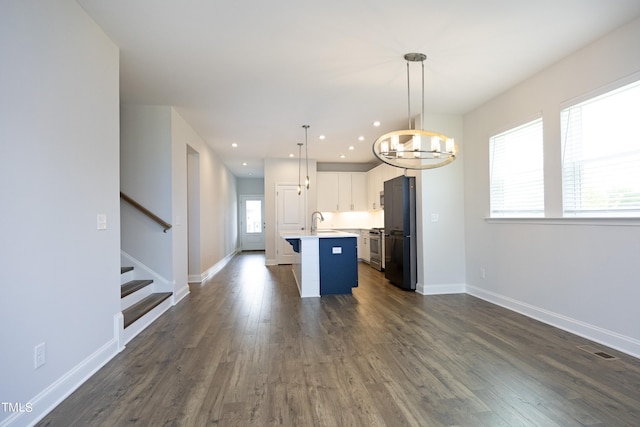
254,72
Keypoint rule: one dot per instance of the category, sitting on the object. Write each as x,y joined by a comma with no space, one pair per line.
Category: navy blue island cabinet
338,265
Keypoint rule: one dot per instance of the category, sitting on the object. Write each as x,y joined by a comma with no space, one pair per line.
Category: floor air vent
601,354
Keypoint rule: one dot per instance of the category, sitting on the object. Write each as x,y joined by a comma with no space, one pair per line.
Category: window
601,155
253,219
516,172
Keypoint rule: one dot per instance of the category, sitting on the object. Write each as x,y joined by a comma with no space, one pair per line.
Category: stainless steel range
376,248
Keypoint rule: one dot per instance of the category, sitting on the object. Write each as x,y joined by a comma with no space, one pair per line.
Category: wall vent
601,354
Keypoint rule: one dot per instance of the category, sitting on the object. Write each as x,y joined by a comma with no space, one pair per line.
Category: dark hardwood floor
244,349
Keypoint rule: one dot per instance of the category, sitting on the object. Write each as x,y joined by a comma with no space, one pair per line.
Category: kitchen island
326,261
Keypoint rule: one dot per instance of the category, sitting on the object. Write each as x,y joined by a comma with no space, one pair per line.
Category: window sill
599,221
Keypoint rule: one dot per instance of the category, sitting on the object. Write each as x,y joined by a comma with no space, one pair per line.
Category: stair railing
165,225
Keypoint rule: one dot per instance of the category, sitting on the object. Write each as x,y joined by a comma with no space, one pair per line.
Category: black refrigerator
400,232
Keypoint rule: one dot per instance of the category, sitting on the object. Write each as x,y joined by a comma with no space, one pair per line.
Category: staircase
140,301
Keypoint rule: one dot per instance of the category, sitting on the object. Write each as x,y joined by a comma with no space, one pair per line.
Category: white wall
440,192
181,133
146,176
581,276
59,143
283,171
193,210
351,220
218,198
250,186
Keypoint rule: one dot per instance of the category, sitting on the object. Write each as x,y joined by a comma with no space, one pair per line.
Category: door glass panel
254,216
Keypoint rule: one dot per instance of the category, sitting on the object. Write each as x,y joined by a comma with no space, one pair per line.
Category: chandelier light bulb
385,147
417,145
435,144
450,146
395,143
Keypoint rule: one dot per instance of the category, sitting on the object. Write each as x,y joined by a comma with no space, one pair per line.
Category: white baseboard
179,294
118,330
45,401
270,262
440,289
214,269
594,333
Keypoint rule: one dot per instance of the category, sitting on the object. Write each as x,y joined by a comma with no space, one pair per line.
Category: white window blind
516,172
601,155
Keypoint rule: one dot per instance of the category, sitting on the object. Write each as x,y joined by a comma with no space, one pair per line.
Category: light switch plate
102,221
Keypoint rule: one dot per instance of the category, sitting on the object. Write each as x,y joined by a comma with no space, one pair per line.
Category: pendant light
299,167
306,147
415,148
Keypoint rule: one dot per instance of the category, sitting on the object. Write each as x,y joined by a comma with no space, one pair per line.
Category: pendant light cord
422,116
409,94
299,167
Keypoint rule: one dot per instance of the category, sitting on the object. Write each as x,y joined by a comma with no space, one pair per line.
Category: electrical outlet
39,355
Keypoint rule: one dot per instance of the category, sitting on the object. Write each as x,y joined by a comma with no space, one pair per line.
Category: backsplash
342,220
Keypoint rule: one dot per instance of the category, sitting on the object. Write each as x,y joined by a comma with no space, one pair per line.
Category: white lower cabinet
363,246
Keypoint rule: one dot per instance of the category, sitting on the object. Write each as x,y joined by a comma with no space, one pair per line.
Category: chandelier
415,148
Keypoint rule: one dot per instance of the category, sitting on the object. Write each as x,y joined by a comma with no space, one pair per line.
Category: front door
290,212
252,223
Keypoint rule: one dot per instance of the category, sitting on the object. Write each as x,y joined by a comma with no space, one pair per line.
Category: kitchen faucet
314,227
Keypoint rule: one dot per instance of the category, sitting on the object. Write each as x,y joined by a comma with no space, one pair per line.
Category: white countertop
320,234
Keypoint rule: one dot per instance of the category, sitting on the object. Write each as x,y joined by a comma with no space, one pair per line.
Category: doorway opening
252,223
193,215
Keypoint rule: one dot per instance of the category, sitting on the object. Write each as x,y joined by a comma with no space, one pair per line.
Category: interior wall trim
594,333
215,268
45,401
423,289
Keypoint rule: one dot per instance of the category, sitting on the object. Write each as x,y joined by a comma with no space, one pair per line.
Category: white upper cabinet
359,191
327,191
390,172
375,179
342,191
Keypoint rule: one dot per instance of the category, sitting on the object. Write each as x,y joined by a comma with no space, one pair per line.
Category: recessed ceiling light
376,123
244,163
321,137
342,156
234,145
351,147
291,155
361,138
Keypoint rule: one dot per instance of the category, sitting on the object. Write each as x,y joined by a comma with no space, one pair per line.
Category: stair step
141,308
125,269
132,286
